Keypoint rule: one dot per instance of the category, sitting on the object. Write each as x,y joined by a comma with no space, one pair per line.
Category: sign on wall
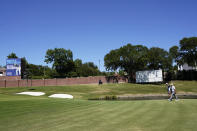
149,76
13,66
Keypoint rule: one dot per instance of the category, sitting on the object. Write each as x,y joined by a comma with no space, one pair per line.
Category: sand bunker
61,96
32,93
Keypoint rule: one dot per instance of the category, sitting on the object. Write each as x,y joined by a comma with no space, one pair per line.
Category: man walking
173,94
168,87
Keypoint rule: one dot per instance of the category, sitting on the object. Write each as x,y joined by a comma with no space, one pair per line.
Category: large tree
129,58
158,58
174,53
188,50
62,60
112,60
133,58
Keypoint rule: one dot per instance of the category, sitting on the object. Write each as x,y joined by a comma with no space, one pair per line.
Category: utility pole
99,64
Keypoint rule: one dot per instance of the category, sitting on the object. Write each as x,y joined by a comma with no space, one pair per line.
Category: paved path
156,97
150,97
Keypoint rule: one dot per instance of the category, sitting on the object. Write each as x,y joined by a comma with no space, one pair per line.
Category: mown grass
28,113
95,91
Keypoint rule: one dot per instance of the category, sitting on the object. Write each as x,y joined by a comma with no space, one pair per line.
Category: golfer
168,89
173,94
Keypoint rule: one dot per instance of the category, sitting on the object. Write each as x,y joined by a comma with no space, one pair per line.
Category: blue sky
91,28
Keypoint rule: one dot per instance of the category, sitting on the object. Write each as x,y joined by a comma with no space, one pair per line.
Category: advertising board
149,76
13,67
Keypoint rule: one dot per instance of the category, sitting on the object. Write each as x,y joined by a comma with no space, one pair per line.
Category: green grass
40,113
95,91
22,113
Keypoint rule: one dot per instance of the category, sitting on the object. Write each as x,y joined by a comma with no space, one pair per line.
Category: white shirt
173,88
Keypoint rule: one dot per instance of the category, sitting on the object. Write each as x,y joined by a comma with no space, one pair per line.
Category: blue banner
13,66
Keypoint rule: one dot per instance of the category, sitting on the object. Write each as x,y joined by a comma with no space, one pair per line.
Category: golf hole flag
13,66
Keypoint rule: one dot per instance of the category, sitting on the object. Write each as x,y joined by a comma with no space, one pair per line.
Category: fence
60,82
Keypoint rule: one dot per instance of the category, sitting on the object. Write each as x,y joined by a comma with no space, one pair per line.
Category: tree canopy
158,59
188,50
12,55
61,59
131,58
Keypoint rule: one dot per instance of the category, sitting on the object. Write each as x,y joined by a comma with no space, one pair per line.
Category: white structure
149,76
2,71
186,67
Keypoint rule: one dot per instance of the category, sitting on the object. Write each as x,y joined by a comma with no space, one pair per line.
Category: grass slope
95,91
40,113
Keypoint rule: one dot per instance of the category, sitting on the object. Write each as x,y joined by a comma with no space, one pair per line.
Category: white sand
61,96
32,93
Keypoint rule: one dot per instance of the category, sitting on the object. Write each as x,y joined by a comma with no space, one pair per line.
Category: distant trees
62,60
129,58
12,55
64,65
132,58
84,69
188,51
159,59
88,69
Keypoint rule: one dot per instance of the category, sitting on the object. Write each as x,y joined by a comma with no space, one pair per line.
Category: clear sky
91,28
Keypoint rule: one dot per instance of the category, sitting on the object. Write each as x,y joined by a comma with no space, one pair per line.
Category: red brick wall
2,83
10,77
59,82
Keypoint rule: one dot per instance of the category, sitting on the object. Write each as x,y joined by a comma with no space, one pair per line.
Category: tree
24,66
89,69
39,71
12,55
62,60
112,60
133,58
78,63
188,51
129,58
84,69
174,52
158,59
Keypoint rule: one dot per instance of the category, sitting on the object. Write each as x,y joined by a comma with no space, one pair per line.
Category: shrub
110,97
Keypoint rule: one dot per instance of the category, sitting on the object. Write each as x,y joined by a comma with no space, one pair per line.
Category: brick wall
14,82
10,77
